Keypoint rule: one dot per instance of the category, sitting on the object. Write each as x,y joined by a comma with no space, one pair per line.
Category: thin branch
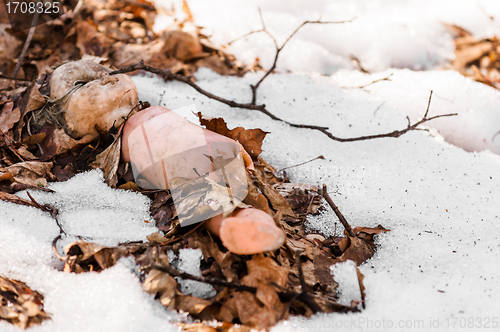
212,281
53,212
305,162
280,48
26,44
303,297
255,31
387,78
337,212
167,74
306,298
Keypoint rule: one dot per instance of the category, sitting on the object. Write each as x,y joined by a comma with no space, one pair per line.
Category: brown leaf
66,143
361,277
198,327
470,54
322,263
90,41
368,234
34,139
63,174
217,125
263,309
35,100
33,173
15,199
108,161
255,197
277,202
192,304
162,285
19,304
250,139
9,116
84,256
182,45
129,186
358,251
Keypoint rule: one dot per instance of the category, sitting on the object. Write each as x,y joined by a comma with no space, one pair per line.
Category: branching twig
252,32
262,108
280,48
337,212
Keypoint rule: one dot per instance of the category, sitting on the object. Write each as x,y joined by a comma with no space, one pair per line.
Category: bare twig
494,136
337,212
252,32
358,64
305,162
306,298
387,78
280,48
167,74
303,297
187,276
54,248
53,212
26,44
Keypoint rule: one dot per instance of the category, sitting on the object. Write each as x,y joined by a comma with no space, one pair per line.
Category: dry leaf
9,116
368,234
108,161
263,309
32,173
20,305
162,285
250,139
35,100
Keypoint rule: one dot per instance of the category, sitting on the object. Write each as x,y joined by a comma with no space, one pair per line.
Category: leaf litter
251,291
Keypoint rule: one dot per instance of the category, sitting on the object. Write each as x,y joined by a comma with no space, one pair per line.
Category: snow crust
436,269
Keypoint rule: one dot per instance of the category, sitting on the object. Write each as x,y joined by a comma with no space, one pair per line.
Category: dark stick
337,212
184,275
26,45
304,296
262,108
53,212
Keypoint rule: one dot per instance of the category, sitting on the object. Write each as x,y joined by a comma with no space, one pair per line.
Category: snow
385,33
346,276
435,269
189,261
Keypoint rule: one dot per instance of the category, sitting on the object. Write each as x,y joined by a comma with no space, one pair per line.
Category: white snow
436,269
189,261
346,276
